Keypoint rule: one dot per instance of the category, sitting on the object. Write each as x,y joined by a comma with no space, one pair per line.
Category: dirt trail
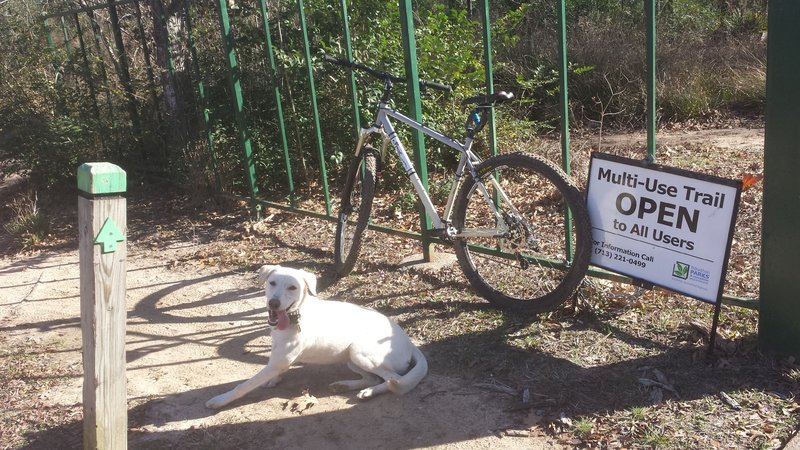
194,332
735,138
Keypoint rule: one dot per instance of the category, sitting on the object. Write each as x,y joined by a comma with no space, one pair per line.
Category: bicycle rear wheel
537,262
359,189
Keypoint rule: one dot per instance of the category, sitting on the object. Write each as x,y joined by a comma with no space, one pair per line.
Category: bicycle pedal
523,262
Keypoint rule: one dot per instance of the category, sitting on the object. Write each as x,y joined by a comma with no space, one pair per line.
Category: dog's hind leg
385,374
367,379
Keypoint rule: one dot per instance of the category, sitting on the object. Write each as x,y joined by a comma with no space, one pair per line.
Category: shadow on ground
442,411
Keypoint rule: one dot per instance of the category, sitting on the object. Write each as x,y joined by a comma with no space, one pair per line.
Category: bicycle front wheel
359,189
514,243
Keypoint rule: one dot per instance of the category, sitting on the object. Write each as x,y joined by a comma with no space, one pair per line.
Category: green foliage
654,438
582,428
51,123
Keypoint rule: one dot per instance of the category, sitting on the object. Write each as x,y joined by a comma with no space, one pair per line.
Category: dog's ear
311,283
265,271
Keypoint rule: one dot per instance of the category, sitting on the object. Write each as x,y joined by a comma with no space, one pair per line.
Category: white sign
667,226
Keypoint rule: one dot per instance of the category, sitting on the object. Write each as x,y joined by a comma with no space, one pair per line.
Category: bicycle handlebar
385,75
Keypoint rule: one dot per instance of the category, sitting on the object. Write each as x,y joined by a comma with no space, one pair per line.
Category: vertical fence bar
201,96
102,223
563,87
779,309
67,40
415,112
566,159
125,78
276,89
66,66
151,78
103,72
234,78
314,107
489,71
168,47
60,106
348,48
51,43
88,76
650,19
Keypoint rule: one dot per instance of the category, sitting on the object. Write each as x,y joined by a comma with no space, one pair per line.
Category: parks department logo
680,270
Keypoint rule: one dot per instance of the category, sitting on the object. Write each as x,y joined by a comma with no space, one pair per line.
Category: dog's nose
274,303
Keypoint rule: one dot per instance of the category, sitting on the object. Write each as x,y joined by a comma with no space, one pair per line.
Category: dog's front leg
270,372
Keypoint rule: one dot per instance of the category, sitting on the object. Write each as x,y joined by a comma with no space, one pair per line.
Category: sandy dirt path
194,332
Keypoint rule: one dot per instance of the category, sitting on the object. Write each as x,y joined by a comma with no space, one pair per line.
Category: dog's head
285,290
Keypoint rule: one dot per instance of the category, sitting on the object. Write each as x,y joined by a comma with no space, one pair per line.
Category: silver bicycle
507,217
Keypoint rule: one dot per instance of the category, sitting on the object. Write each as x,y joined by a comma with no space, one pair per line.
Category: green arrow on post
108,236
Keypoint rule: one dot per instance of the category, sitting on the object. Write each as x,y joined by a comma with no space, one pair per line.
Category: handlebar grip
435,85
338,62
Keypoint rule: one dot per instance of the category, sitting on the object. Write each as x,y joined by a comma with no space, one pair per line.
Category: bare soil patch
618,369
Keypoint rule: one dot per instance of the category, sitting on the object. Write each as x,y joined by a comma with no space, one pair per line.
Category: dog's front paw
218,402
365,393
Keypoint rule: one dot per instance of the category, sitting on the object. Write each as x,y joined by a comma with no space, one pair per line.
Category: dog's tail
412,378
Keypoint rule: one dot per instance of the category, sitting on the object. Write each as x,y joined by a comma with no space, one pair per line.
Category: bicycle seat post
476,120
387,90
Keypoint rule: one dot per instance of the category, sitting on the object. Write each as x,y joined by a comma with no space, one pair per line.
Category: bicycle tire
536,277
354,210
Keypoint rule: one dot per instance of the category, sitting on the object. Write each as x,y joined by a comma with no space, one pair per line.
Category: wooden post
101,227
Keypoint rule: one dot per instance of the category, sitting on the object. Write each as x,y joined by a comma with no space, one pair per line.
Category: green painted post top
100,178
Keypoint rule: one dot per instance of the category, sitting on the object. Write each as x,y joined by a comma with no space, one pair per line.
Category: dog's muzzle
272,320
278,318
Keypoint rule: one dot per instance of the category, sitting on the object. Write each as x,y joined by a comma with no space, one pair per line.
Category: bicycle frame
468,161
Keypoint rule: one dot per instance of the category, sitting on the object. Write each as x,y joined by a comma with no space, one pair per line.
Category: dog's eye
272,283
292,288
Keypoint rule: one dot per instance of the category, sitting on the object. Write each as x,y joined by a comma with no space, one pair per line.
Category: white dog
306,329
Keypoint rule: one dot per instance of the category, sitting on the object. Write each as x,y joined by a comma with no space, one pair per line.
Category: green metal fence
414,108
242,123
